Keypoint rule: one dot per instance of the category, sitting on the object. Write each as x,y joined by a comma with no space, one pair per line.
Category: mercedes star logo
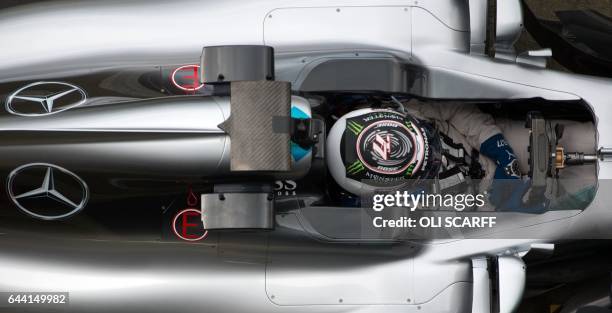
47,191
44,98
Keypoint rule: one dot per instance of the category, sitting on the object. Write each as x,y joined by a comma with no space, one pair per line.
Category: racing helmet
381,149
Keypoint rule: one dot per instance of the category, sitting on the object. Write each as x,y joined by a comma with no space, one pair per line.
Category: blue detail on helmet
298,152
298,114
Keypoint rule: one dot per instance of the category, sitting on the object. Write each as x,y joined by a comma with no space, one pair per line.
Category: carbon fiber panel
259,126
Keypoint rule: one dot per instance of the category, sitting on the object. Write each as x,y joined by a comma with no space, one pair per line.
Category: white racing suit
463,123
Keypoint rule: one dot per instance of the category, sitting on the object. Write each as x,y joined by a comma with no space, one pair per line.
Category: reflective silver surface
50,189
47,101
174,137
123,54
255,272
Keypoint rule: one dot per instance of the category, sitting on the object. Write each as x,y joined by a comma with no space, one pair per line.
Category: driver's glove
498,149
508,189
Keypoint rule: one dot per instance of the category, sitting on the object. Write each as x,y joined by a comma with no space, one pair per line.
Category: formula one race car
293,121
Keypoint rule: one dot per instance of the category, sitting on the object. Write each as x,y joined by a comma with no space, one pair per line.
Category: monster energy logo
354,127
355,168
409,125
410,169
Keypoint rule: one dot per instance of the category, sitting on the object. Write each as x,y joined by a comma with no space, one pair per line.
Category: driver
373,148
464,123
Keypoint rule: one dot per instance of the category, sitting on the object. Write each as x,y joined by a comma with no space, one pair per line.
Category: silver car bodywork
427,48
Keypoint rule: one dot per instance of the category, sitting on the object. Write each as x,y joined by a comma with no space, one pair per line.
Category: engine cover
372,149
